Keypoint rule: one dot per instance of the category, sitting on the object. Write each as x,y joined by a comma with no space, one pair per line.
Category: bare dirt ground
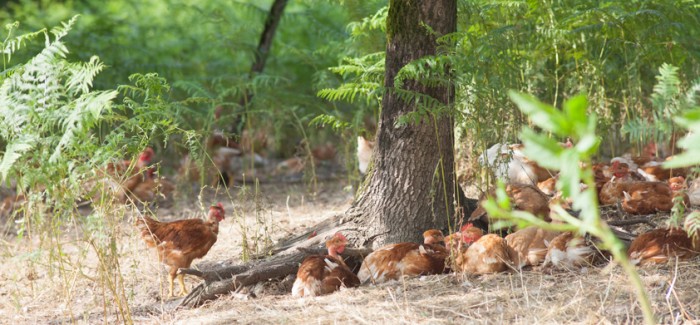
38,287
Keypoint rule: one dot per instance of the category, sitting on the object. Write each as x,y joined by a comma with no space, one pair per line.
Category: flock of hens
638,185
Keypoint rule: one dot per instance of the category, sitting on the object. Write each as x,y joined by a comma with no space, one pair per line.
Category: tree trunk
412,186
261,54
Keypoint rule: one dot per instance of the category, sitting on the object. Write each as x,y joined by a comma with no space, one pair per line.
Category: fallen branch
272,269
218,274
348,252
628,222
232,278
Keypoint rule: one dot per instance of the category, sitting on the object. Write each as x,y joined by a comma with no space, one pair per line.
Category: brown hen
323,274
393,261
523,197
488,254
659,245
530,244
178,243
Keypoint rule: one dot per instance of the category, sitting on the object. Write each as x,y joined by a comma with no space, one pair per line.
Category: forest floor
38,288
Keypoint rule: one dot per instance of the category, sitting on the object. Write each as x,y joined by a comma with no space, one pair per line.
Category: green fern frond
82,74
667,87
61,31
328,120
692,224
374,22
83,116
14,151
350,91
12,44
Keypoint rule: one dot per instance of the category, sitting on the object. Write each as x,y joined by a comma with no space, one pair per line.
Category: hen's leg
171,278
181,280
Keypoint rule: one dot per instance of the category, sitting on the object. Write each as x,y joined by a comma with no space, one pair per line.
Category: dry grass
592,296
35,290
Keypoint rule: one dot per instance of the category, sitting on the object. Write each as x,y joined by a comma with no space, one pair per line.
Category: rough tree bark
412,187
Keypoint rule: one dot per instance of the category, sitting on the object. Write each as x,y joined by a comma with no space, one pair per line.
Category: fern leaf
692,224
14,151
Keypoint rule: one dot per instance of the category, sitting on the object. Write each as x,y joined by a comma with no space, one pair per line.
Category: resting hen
653,171
120,178
178,243
488,254
323,152
364,153
568,251
324,274
622,181
290,166
151,188
393,261
530,245
510,165
523,197
659,245
650,197
11,203
137,174
548,186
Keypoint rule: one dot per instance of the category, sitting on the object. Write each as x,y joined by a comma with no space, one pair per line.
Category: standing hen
393,261
364,153
180,242
323,274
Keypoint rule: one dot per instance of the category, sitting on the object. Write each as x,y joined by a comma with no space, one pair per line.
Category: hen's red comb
146,154
465,227
341,236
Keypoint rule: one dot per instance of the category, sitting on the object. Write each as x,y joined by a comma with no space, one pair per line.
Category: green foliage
692,224
605,49
59,133
689,119
574,121
58,130
608,50
207,48
666,101
47,109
